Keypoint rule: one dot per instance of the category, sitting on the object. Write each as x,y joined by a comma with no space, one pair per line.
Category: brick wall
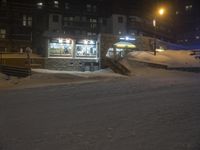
71,64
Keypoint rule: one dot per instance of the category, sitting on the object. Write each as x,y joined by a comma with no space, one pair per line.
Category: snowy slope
170,58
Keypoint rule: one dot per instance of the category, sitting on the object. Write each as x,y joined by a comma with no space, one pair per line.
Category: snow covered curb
87,74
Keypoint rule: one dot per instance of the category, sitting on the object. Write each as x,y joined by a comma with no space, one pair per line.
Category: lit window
39,5
93,20
197,37
56,3
86,48
2,33
93,26
60,47
186,40
71,18
177,12
24,23
27,21
188,7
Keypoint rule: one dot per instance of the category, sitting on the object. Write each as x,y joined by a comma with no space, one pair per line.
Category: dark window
66,6
94,8
104,22
120,19
89,7
55,18
4,1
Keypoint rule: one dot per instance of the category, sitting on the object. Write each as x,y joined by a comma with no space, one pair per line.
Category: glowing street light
161,12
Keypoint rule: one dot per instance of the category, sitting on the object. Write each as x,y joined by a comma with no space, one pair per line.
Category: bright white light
127,38
92,42
154,22
56,2
68,41
40,4
85,42
160,50
60,40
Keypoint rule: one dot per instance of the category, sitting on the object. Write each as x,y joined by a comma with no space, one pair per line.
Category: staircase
117,67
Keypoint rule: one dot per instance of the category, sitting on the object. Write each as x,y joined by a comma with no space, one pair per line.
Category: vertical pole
155,44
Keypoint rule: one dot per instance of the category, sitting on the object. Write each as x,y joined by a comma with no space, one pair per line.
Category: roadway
138,113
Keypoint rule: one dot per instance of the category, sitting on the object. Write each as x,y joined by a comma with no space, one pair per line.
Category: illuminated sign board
127,38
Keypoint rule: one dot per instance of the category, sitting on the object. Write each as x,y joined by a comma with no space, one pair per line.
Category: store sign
61,40
86,42
127,38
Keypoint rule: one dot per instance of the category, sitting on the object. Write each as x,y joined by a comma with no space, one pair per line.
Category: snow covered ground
170,58
44,77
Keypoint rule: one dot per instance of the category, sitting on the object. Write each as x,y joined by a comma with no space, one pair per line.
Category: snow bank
170,58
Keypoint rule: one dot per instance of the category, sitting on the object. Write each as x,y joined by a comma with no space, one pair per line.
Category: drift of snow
170,58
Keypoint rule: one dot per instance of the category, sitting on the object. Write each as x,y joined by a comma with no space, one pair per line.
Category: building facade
67,32
187,17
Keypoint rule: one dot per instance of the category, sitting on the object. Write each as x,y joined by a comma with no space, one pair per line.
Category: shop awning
124,45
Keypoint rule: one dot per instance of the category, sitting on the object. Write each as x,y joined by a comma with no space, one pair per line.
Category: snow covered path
158,110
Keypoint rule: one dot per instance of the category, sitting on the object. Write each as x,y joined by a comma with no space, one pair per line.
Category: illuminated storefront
72,54
71,48
61,48
86,49
122,47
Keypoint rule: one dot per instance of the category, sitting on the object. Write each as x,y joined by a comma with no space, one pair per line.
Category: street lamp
160,12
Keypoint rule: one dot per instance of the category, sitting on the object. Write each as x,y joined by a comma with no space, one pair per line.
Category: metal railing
15,71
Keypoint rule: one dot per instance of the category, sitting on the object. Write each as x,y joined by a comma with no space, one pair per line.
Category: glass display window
61,48
86,48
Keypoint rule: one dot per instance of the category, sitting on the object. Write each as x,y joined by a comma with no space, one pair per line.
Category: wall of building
119,24
55,23
71,64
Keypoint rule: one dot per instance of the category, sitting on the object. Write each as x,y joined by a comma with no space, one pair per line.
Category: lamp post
160,12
